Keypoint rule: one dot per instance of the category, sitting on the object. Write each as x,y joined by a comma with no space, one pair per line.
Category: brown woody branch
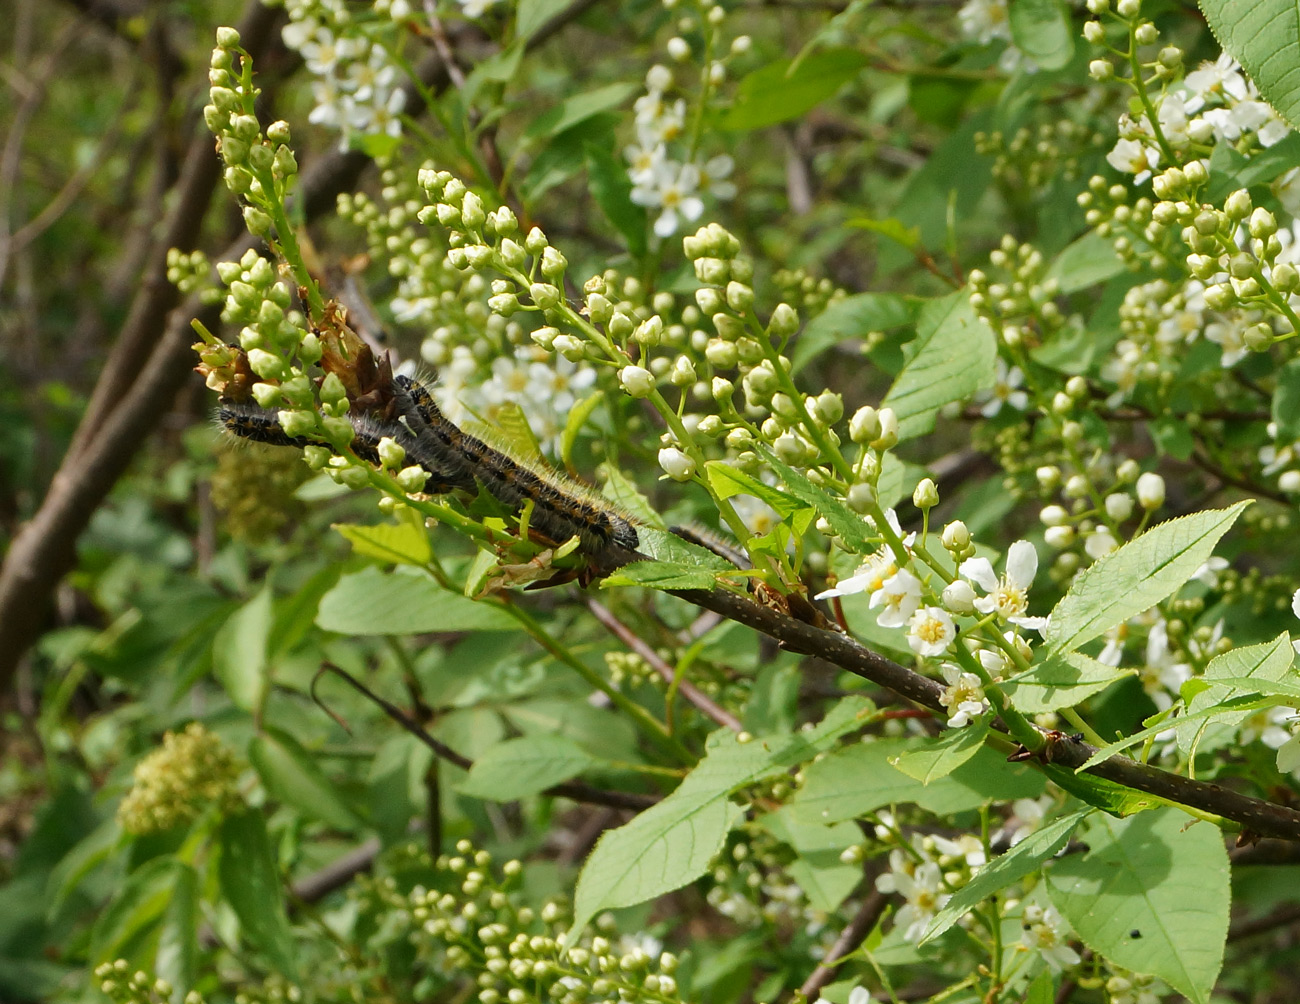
1255,815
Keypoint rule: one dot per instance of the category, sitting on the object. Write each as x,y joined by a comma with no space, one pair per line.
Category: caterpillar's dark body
559,509
455,459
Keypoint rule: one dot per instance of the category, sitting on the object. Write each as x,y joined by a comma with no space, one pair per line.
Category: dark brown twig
1255,815
862,924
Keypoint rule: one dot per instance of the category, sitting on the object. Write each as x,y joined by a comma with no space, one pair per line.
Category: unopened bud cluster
259,167
192,771
469,925
121,984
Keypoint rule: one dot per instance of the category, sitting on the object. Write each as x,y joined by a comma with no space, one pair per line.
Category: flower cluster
192,771
667,171
357,84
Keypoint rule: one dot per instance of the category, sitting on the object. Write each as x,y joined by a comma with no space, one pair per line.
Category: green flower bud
926,494
865,425
1207,221
227,37
784,321
888,437
535,243
714,271
1259,337
544,295
412,479
720,354
683,372
956,537
636,380
650,331
266,365
391,453
1238,205
545,337
332,390
728,328
599,309
722,389
298,423
862,497
829,407
504,304
740,297
1242,265
709,301
267,395
1285,278
553,263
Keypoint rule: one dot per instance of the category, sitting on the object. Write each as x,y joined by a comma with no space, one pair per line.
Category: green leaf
532,14
848,525
369,603
780,91
661,575
938,757
1042,29
579,108
1246,702
672,843
1286,402
729,481
250,883
611,187
178,941
1023,859
402,543
853,317
894,230
952,357
666,547
239,652
624,494
292,776
861,778
1136,577
1060,681
1248,666
525,766
1151,894
577,418
1089,260
1264,37
137,907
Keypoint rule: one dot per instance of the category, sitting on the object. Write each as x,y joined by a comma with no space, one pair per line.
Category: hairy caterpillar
262,425
561,508
455,459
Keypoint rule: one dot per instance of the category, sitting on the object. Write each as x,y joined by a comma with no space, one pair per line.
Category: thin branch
862,924
1254,815
575,791
692,693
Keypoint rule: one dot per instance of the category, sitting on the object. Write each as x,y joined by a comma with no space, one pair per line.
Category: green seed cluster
190,772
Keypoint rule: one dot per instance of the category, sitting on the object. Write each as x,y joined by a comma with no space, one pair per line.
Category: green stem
655,728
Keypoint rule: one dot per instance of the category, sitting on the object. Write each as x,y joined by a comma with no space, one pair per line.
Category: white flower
900,595
1209,571
657,119
921,885
959,596
869,577
1151,490
1134,157
1030,813
1162,676
963,697
1220,79
1100,544
672,187
1005,381
714,175
476,8
967,847
1008,596
676,464
1288,754
984,20
930,631
1046,931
